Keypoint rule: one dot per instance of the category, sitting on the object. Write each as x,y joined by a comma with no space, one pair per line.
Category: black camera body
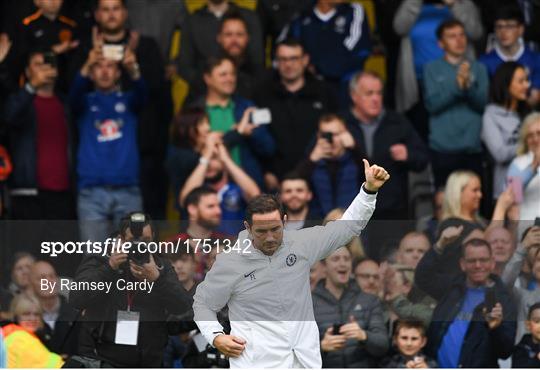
138,255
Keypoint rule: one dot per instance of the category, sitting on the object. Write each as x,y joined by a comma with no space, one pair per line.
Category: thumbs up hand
376,176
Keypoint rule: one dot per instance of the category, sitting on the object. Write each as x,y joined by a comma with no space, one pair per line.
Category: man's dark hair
264,203
292,43
446,25
358,261
294,175
329,117
534,307
476,242
499,91
213,62
409,323
232,15
509,13
194,196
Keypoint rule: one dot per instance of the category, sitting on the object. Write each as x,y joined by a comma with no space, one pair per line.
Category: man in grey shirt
265,282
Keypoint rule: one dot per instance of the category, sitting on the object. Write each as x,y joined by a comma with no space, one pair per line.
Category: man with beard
200,41
295,195
234,187
233,39
204,217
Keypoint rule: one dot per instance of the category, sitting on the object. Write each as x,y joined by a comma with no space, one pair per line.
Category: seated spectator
20,273
218,170
403,298
384,137
184,266
509,27
527,352
502,245
108,156
49,31
230,114
416,23
190,138
409,339
24,348
412,248
37,123
368,276
296,100
430,223
200,41
473,324
61,328
295,195
455,94
233,38
350,322
333,167
336,36
525,167
204,218
524,297
502,119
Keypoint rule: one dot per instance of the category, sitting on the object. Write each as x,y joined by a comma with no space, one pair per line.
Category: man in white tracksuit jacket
266,284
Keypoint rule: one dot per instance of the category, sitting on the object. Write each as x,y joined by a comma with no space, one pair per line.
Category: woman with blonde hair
23,347
526,168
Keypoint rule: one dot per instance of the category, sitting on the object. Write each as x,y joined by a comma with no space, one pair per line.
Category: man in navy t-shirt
108,156
509,46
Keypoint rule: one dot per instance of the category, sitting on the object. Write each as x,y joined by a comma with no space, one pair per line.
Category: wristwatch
368,191
203,160
28,87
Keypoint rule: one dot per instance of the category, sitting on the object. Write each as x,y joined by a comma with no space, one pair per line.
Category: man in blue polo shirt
509,46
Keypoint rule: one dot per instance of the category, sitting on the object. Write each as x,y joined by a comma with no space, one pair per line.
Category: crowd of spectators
279,97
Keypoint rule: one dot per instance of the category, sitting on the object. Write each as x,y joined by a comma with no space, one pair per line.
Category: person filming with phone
126,325
334,166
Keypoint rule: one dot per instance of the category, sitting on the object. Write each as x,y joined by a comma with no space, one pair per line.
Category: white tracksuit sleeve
321,241
211,296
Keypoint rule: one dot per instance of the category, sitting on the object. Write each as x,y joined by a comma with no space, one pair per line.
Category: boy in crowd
409,340
527,353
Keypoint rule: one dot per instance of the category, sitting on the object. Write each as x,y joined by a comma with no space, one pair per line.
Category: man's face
454,41
21,272
111,16
295,195
208,212
49,6
214,171
291,62
338,267
222,79
105,74
233,38
266,231
336,128
367,277
410,341
184,268
501,244
367,97
477,263
43,270
37,64
533,324
508,32
412,248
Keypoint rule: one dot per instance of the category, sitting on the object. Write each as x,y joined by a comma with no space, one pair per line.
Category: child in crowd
409,340
527,353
